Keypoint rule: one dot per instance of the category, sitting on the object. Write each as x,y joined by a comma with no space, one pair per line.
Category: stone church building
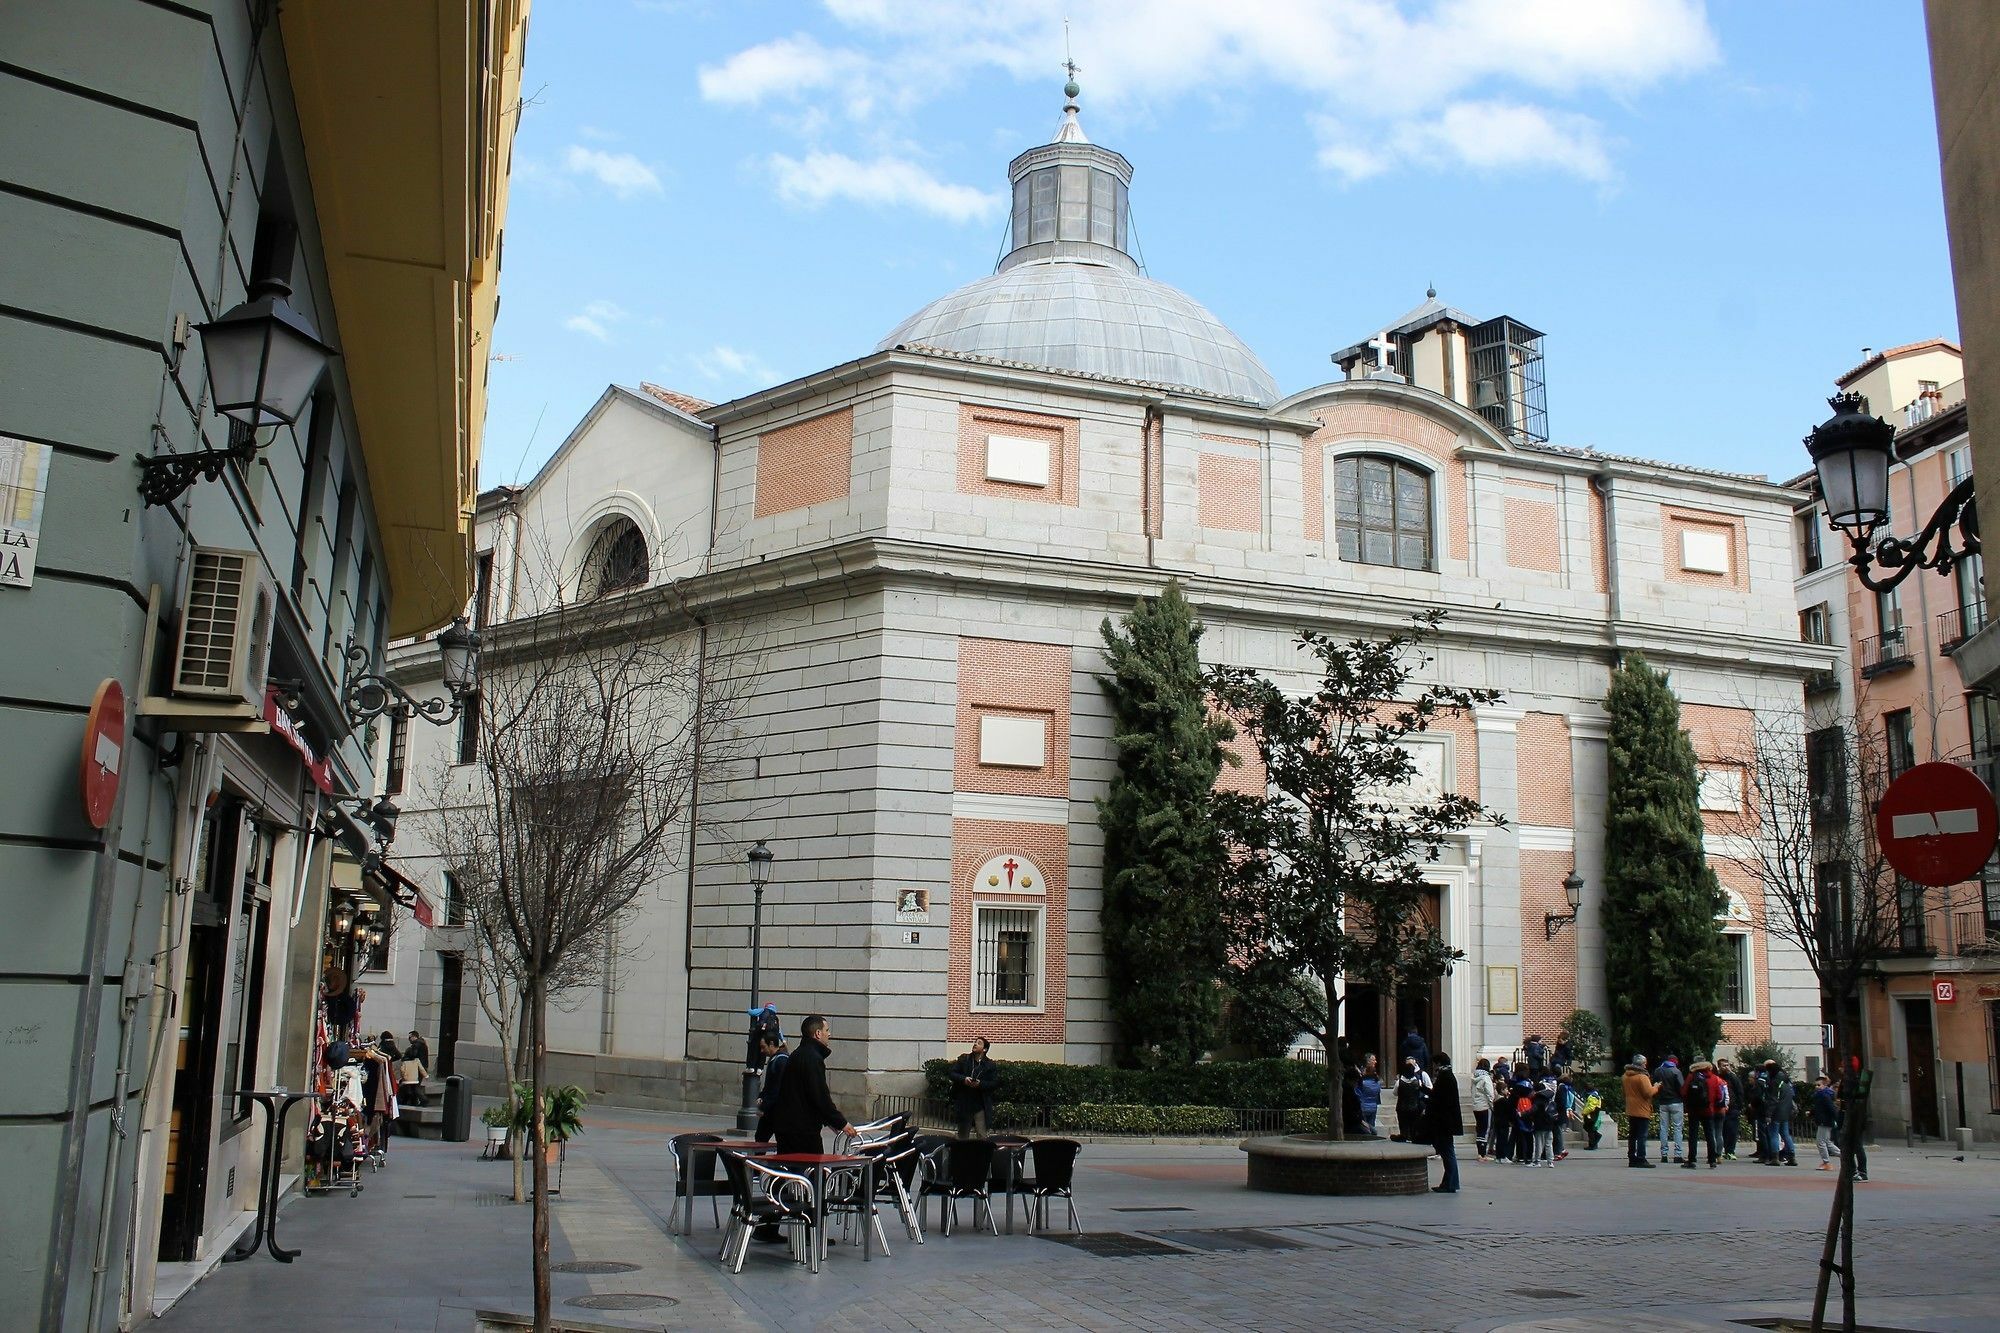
922,542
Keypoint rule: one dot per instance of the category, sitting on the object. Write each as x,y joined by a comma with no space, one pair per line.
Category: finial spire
1431,292
1070,131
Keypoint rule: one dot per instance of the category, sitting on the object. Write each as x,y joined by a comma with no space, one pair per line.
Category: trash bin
457,1110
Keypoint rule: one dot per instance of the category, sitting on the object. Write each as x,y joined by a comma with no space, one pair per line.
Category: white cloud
621,173
1407,81
884,182
596,320
723,362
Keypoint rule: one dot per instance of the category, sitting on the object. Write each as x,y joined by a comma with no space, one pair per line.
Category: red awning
406,891
317,767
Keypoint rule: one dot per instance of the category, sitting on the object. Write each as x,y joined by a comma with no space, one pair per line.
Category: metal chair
968,1165
899,1168
849,1197
689,1178
786,1203
1055,1175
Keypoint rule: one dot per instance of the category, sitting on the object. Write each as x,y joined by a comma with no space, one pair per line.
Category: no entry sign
1937,824
103,752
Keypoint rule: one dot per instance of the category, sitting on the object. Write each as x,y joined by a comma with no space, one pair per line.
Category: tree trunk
1336,1070
537,1061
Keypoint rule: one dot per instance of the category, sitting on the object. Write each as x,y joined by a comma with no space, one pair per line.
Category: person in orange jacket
1639,1092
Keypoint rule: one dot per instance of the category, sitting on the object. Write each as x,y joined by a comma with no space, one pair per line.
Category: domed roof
1068,293
1092,318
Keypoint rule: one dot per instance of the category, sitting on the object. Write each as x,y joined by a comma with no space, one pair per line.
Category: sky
1710,210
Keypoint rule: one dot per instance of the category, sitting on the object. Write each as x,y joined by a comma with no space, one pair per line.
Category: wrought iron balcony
1884,653
1822,682
1959,624
1972,933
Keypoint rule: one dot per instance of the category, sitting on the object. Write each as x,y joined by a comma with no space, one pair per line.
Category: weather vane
1069,63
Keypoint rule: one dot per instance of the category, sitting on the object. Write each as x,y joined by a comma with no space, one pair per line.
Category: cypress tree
1161,918
1664,956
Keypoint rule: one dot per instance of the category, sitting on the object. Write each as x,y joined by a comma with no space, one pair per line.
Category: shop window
1007,957
1382,512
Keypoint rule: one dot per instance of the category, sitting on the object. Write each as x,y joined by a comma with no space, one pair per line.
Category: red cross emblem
1010,865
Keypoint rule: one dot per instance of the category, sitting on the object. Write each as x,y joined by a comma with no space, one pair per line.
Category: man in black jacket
973,1079
1445,1121
771,1044
803,1104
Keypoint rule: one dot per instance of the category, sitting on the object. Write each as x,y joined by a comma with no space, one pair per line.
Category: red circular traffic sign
103,752
1937,824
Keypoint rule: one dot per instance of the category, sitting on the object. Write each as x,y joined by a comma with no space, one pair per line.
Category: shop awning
403,890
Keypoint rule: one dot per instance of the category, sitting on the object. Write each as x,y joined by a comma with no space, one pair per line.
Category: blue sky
1709,209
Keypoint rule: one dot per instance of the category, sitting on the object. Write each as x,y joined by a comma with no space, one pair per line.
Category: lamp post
1553,922
759,858
1851,452
369,694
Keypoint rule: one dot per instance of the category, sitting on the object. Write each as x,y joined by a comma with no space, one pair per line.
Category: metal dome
1094,318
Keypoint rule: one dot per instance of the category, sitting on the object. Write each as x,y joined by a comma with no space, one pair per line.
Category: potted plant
562,1120
499,1121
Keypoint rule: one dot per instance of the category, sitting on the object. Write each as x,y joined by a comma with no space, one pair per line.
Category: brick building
922,543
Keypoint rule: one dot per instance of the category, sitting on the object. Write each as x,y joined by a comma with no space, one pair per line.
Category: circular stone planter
1304,1164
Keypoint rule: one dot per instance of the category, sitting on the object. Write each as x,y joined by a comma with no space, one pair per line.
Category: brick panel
1674,521
1465,748
1749,1031
1062,435
973,843
1534,534
1232,492
1341,424
1600,528
805,463
998,677
1542,770
1721,734
1247,776
1548,966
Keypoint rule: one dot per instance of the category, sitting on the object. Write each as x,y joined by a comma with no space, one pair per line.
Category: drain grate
420,1196
1547,1294
599,1266
1114,1245
1156,1208
621,1300
1230,1238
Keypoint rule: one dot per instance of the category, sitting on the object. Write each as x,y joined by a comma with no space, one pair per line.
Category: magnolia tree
1325,874
593,715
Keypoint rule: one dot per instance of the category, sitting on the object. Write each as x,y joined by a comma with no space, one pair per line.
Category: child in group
1591,1116
1543,1114
1524,1123
1826,1121
1369,1092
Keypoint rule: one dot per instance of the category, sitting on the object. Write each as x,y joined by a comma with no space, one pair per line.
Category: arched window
1382,511
617,560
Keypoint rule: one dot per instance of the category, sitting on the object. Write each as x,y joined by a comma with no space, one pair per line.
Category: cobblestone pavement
1587,1245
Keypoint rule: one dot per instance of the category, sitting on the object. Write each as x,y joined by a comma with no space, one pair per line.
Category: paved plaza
1174,1241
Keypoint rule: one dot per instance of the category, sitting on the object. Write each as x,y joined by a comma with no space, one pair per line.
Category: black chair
1055,1175
968,1166
786,1203
848,1194
899,1168
694,1174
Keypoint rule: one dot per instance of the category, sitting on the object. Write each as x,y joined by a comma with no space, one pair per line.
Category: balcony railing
1970,933
1883,653
1959,624
1822,682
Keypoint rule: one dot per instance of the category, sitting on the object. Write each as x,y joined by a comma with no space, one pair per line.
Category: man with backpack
1669,1108
1732,1120
1701,1101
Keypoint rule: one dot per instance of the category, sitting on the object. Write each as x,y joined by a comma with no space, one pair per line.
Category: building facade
165,947
912,554
1931,1012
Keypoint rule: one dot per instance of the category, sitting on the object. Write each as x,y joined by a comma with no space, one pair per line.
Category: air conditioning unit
223,649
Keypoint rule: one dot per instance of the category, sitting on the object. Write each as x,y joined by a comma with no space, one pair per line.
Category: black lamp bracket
163,477
368,694
1901,557
1553,922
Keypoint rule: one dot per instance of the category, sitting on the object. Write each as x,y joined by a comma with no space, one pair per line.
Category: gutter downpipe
694,773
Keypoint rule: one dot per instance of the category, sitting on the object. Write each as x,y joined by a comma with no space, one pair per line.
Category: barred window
1007,963
1382,512
1736,981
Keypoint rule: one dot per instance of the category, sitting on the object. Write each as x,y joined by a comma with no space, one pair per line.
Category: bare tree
595,710
1805,835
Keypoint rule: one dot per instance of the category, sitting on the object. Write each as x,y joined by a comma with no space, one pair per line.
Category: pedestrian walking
1853,1104
1565,1107
1732,1119
1826,1121
1591,1116
803,1105
1482,1102
1669,1109
1639,1090
973,1080
1784,1105
1412,1092
771,1042
1445,1121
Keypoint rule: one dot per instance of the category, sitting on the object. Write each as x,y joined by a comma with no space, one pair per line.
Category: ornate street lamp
264,358
343,920
369,694
759,858
1553,922
1851,452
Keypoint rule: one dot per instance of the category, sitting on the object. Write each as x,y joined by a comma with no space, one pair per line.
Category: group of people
1711,1102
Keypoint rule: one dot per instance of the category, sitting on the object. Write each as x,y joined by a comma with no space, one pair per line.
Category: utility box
457,1110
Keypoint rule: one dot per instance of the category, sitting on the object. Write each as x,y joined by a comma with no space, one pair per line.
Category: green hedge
1306,1120
1220,1083
1103,1118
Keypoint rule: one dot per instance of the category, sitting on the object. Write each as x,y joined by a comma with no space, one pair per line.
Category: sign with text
24,484
1937,824
913,907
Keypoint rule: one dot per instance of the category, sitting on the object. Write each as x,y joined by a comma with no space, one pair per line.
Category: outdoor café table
1013,1152
817,1166
684,1196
